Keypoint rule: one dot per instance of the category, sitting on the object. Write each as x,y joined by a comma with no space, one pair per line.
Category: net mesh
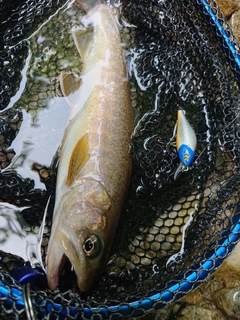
168,227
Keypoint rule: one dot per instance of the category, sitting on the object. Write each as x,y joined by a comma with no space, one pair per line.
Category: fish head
80,235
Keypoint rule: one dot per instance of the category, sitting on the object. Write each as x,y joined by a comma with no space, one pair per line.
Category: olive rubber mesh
168,227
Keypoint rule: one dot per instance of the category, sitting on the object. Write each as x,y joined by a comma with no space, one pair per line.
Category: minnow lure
186,142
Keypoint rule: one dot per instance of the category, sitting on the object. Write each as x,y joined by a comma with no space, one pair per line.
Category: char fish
95,162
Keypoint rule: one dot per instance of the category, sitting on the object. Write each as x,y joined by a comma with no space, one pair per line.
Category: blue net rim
229,47
188,282
126,309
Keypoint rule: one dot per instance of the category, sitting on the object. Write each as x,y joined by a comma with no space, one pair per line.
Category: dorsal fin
83,41
78,159
88,4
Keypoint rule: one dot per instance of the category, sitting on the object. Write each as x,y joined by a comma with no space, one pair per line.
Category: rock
235,24
190,312
228,7
231,266
228,301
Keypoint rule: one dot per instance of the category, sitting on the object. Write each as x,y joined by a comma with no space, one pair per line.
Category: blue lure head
186,154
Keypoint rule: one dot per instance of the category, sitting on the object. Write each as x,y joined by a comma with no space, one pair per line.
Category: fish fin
83,40
78,159
88,4
70,84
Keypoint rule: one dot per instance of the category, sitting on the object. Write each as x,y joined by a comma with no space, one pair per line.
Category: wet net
173,233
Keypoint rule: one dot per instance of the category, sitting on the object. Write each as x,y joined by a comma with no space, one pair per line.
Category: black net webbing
170,231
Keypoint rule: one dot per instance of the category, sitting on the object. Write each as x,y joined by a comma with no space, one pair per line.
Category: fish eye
93,246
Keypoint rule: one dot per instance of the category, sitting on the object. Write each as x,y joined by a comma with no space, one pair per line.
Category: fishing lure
186,142
25,274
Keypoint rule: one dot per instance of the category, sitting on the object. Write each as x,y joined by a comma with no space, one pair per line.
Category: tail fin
88,4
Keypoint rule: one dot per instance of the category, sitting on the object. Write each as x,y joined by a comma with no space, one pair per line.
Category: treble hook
181,168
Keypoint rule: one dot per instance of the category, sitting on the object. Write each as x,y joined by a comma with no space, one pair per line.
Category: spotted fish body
186,142
95,163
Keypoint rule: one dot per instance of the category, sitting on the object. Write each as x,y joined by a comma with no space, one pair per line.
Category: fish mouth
67,276
59,266
63,276
54,267
67,267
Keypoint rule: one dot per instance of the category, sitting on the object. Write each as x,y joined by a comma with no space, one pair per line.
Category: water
44,116
15,234
38,139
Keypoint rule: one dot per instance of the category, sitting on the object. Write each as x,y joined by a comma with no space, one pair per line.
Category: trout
95,162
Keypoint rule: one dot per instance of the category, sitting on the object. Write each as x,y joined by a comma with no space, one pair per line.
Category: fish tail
87,5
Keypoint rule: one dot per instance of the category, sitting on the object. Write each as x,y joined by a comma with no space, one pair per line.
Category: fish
95,161
186,143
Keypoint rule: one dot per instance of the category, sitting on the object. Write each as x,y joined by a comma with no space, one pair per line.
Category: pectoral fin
78,159
70,84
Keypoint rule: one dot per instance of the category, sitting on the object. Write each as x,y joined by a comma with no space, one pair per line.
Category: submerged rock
234,21
198,313
228,301
228,7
